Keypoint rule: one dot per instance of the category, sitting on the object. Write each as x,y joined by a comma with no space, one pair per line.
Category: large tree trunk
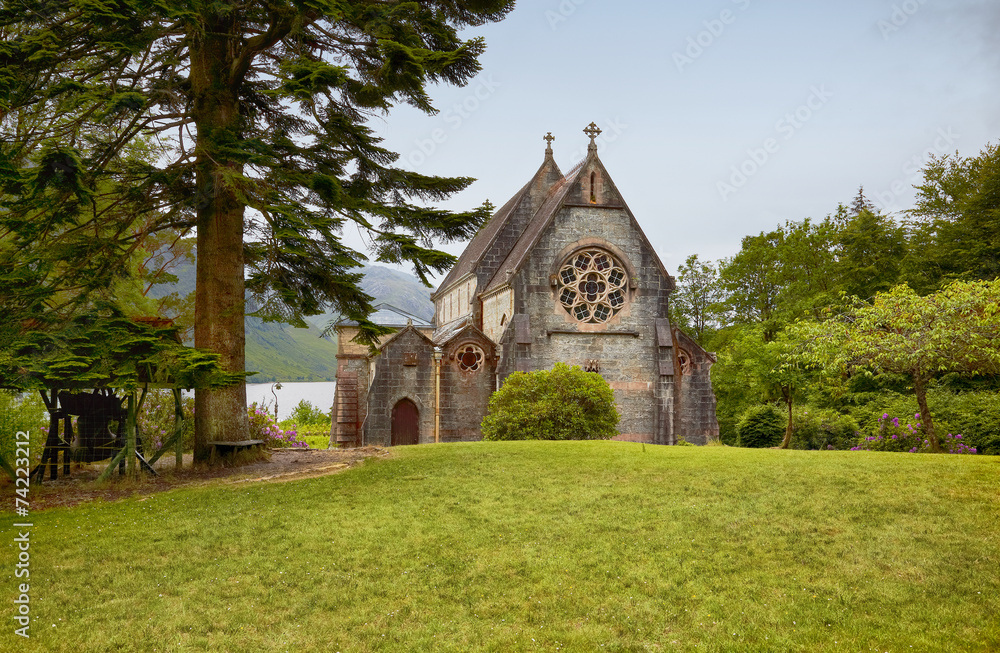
925,412
219,294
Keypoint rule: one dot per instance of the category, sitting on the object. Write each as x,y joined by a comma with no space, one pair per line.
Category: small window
470,358
684,359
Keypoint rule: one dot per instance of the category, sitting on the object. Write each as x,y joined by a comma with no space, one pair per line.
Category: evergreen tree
870,249
258,106
957,216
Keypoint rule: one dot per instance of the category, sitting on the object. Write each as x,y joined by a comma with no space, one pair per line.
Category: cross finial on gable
593,131
548,138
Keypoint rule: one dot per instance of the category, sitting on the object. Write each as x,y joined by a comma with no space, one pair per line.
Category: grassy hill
280,352
577,546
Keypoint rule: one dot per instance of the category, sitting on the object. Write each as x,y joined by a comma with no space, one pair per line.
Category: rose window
470,358
592,286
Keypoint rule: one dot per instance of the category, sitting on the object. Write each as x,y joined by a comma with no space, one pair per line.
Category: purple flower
895,421
916,415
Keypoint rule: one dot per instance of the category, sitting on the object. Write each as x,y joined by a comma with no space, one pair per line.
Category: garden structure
98,367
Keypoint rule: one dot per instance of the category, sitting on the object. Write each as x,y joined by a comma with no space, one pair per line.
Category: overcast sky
721,118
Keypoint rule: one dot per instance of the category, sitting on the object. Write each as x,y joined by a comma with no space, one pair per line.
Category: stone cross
593,131
548,138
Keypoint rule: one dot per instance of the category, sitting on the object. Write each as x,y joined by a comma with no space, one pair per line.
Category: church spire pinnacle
593,131
548,138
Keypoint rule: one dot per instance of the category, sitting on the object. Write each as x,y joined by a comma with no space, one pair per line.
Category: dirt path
284,465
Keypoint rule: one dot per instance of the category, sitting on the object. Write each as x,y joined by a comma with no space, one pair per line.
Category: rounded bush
822,428
565,403
761,427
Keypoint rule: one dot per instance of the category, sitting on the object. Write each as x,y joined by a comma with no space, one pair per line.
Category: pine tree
258,106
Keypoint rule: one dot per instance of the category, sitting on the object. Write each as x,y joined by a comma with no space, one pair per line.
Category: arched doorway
405,423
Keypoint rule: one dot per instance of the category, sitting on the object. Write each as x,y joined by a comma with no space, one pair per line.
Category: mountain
391,287
280,352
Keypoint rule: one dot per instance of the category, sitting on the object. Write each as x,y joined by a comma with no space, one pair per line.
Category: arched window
593,188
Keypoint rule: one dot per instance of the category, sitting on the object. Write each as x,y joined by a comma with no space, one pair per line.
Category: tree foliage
696,302
956,329
761,427
564,403
259,106
957,215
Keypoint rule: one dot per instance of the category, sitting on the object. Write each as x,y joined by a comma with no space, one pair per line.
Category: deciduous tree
956,329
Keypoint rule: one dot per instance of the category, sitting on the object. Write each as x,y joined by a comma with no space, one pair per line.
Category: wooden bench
226,448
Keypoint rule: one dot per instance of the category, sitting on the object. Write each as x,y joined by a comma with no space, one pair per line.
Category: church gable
587,186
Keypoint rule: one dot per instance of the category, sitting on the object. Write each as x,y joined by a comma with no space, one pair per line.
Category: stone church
562,272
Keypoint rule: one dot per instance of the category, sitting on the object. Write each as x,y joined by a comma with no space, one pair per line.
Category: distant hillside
280,352
392,287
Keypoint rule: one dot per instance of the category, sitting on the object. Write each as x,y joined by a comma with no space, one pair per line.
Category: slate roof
553,202
481,242
446,332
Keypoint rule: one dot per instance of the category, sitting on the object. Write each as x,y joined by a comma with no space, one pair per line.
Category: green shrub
22,412
305,413
761,427
565,403
976,415
819,428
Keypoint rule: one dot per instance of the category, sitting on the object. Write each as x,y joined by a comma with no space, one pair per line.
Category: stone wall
404,369
456,302
465,392
696,410
498,307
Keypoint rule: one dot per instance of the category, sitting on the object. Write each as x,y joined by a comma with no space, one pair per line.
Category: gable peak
593,131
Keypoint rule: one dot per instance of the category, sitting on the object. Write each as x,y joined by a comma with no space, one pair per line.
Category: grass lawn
592,546
317,441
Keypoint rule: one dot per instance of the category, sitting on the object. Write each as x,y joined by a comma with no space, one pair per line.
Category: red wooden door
405,423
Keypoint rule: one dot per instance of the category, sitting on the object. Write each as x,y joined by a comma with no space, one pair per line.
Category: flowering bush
909,438
155,420
263,427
